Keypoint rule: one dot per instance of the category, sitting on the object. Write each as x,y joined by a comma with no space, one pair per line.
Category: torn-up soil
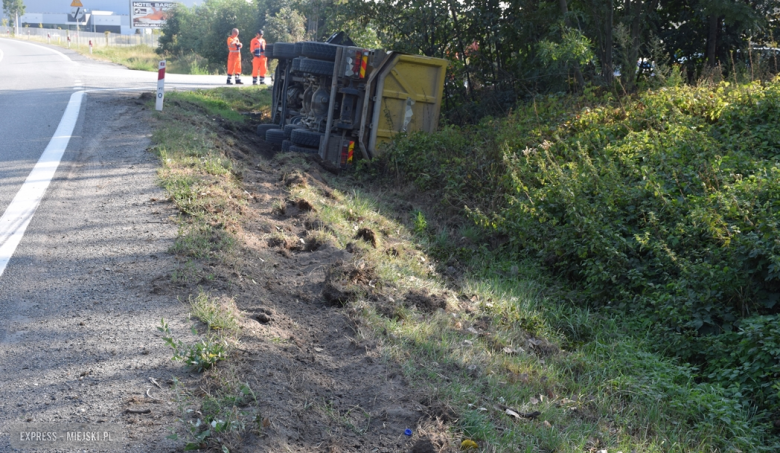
425,301
322,384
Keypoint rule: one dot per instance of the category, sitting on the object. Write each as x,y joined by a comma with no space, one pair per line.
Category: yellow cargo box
404,94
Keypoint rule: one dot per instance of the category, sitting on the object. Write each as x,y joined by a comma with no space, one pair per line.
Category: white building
101,15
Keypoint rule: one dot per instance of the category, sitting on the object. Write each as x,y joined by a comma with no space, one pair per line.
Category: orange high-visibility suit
234,56
259,60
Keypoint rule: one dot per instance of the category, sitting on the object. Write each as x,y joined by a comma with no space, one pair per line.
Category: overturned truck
342,102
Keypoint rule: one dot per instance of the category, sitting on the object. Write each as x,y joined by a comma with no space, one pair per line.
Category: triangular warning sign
77,4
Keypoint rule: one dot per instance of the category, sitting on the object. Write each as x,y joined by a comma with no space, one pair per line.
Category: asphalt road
36,82
82,295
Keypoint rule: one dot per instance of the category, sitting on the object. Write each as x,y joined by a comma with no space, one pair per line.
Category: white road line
20,212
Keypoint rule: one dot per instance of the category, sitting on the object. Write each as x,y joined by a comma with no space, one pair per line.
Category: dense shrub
665,206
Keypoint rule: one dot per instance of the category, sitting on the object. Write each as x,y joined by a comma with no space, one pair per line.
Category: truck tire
263,128
305,137
274,136
296,64
286,146
319,50
269,51
298,48
284,50
317,67
303,149
289,128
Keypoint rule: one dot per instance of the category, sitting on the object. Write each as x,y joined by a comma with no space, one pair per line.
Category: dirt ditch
322,383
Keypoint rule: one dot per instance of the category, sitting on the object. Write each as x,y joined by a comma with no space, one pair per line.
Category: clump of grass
199,356
219,315
220,418
202,241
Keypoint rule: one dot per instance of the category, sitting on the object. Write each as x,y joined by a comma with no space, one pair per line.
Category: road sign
78,16
77,4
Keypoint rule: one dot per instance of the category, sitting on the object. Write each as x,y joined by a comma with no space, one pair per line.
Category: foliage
203,29
13,7
574,48
504,52
420,224
287,25
663,208
201,355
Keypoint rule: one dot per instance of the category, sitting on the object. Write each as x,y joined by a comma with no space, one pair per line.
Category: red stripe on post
161,74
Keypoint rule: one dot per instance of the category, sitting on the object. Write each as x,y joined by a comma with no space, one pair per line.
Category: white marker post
160,86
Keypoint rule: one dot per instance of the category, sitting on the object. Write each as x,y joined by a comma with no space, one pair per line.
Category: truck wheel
303,149
299,48
263,128
296,64
305,137
269,51
319,50
286,146
274,136
284,50
317,67
289,128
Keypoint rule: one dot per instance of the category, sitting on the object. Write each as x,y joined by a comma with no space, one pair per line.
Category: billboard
149,14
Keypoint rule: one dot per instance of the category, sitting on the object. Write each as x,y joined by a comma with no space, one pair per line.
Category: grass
218,315
203,182
220,414
508,340
140,57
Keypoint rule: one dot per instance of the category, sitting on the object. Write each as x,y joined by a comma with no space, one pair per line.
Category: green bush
665,207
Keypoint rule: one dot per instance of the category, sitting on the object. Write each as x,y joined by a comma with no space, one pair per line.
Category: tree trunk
712,39
634,12
607,70
577,72
459,34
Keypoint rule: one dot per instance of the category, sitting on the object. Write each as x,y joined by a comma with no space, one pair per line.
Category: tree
287,25
705,32
202,30
13,7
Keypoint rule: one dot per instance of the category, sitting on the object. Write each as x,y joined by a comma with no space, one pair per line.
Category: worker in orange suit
257,47
234,58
